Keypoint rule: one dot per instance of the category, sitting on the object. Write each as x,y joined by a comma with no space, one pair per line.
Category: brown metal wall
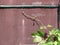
15,29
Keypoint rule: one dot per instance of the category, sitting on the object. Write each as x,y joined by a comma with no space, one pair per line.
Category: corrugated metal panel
15,29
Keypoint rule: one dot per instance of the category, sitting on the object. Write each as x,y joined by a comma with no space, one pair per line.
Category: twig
36,20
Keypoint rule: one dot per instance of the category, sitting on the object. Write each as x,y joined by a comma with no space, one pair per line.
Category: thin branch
37,21
28,17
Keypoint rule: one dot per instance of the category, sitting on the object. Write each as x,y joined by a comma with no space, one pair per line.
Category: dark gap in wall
59,16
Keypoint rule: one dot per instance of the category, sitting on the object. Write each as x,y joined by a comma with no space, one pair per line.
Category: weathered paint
15,29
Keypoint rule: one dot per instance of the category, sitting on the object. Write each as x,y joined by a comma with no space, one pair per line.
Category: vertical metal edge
58,15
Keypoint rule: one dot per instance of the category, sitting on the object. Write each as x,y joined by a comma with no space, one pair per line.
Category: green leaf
37,39
58,38
48,38
33,34
58,42
55,43
40,33
42,27
41,44
50,43
49,25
